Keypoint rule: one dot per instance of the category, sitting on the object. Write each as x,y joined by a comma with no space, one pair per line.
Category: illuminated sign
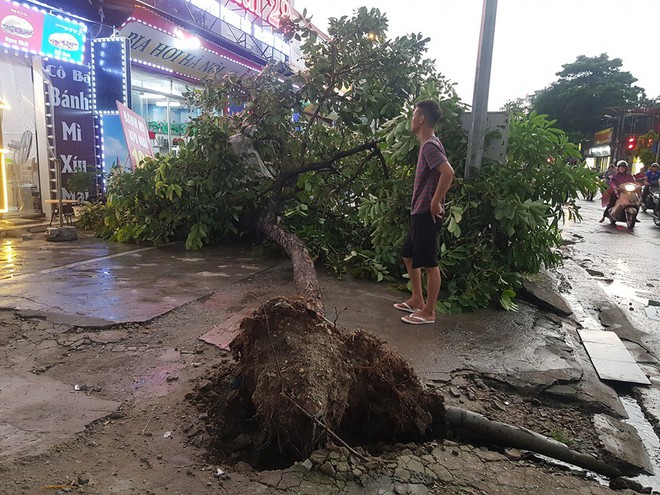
163,45
68,87
110,74
34,31
604,136
270,11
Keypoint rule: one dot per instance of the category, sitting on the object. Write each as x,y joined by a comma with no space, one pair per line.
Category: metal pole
58,184
619,132
481,86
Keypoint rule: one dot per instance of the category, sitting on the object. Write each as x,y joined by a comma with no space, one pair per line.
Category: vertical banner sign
111,81
136,134
72,120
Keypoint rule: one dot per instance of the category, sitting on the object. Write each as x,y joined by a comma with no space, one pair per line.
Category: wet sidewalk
95,283
92,282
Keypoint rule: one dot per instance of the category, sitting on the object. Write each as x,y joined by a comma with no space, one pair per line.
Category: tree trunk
304,273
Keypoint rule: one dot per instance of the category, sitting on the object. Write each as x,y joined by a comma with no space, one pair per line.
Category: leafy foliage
644,147
586,90
328,154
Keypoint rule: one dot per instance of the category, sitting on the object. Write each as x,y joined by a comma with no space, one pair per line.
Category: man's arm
446,178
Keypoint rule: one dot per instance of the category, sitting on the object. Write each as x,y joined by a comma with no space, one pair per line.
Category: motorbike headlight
630,187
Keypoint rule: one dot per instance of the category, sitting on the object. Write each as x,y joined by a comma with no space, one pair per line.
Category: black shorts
421,244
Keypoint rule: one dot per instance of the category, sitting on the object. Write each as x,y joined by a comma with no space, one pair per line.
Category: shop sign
161,44
136,134
31,30
604,136
73,122
110,74
271,11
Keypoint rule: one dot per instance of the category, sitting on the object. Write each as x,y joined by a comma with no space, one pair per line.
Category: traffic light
632,142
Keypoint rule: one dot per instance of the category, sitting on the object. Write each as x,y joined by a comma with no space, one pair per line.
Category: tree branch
372,145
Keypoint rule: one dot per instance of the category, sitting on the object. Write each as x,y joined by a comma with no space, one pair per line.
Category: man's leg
433,281
415,275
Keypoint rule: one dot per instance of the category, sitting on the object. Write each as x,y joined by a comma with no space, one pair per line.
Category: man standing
433,177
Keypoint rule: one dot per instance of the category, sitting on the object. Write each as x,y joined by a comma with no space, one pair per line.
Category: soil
163,441
301,381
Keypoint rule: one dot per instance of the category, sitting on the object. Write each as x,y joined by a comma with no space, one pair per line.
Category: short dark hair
431,110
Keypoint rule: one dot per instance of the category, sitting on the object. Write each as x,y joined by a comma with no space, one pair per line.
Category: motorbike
627,205
652,204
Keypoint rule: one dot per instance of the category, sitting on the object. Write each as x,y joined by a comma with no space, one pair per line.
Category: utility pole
481,86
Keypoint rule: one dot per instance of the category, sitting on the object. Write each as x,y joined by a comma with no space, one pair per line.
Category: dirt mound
296,374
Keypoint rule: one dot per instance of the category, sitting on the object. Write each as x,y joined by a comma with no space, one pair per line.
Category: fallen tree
325,174
300,381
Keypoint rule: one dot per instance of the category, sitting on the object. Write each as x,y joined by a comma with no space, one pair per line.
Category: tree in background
586,90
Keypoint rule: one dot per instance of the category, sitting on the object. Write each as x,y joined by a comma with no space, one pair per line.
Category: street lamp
4,193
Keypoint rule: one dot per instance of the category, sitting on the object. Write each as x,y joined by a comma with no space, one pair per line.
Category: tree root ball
297,375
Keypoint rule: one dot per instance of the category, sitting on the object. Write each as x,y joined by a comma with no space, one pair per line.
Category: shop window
167,119
19,185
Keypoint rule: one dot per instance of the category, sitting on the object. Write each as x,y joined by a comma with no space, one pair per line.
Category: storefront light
185,41
171,104
601,150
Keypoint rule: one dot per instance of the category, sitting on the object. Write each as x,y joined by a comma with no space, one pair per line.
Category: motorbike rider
622,176
651,179
609,173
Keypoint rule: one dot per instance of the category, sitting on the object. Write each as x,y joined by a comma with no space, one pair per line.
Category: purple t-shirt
431,156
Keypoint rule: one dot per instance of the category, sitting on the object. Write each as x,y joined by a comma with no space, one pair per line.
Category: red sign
21,27
31,30
136,134
270,11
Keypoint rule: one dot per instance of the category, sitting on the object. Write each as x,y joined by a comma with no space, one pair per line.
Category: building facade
65,64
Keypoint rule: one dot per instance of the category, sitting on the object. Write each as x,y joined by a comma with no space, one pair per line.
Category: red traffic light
632,142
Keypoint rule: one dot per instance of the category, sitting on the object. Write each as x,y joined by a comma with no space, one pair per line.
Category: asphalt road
610,266
625,263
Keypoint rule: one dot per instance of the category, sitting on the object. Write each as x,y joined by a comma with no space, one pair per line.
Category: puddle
649,439
617,289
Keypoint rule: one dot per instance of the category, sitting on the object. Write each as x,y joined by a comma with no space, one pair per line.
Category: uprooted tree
320,163
326,157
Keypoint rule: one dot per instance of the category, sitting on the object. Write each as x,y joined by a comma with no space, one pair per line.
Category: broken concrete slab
37,412
222,334
621,441
541,293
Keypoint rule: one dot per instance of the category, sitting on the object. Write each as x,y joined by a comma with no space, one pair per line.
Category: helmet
622,163
655,164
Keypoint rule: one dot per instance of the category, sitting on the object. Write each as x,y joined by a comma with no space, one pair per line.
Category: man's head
427,113
655,167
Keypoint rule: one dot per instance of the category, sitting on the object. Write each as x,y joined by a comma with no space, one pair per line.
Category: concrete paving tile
609,352
620,371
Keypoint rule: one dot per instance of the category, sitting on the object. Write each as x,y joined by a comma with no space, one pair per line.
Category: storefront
601,152
41,114
169,58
